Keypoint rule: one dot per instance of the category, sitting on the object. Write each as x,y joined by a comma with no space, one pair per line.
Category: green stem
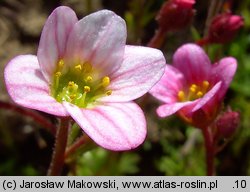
57,162
209,146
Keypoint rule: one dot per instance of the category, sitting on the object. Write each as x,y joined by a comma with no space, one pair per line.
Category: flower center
194,92
79,85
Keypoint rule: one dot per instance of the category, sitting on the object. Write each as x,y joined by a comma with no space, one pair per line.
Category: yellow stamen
181,95
60,63
72,96
88,79
78,67
205,84
105,81
86,89
87,67
71,84
193,88
58,74
199,94
80,85
109,92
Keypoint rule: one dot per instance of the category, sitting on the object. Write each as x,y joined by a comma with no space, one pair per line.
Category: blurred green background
171,147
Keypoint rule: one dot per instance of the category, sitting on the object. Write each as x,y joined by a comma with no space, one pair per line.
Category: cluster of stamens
194,92
79,85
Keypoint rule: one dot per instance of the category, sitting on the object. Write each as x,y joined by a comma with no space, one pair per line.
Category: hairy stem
34,115
57,162
78,143
209,146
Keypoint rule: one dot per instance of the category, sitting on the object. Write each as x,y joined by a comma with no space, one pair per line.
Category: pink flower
83,69
193,87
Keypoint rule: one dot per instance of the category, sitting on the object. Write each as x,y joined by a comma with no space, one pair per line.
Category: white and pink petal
27,86
54,39
99,39
142,68
115,126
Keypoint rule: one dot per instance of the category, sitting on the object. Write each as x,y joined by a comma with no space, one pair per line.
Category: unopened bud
175,14
228,123
224,27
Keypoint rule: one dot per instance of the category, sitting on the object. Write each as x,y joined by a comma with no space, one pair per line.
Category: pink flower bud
228,123
188,4
224,27
175,14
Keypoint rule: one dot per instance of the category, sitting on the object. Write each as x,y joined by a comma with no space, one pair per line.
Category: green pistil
78,85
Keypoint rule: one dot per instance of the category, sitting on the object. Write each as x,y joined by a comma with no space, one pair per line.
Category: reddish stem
202,42
209,145
34,115
158,39
214,8
71,149
57,162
